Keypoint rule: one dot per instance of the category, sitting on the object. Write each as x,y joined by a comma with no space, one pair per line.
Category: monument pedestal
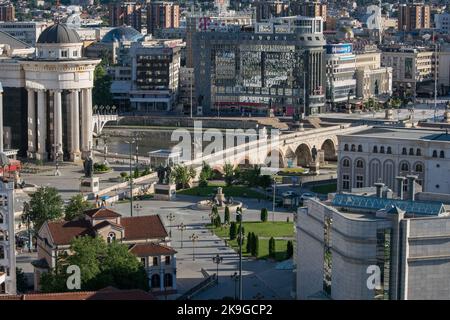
388,114
90,184
447,116
165,191
314,167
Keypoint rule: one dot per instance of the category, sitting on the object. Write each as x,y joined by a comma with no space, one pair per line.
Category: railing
205,284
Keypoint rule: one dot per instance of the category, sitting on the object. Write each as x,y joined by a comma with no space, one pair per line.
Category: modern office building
376,246
382,154
413,16
411,67
25,31
7,240
340,74
162,15
7,12
278,65
372,80
265,10
125,13
45,95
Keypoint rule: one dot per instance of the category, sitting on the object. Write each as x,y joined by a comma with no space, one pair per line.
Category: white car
307,195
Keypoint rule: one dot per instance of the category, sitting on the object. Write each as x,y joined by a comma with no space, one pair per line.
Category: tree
214,214
76,207
233,230
226,217
228,174
206,174
101,94
289,249
238,214
249,242
101,265
182,176
217,221
45,205
21,281
256,246
271,247
264,214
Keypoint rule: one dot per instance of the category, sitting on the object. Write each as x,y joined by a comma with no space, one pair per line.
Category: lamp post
138,208
131,142
240,252
181,227
235,278
170,217
217,260
26,219
56,154
193,238
105,149
273,199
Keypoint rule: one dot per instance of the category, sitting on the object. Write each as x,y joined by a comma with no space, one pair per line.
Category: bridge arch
303,155
329,149
278,154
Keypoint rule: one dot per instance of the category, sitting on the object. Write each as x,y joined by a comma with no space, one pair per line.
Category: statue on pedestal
88,167
314,154
161,174
168,171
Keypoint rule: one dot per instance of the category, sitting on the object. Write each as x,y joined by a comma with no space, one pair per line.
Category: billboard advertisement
339,48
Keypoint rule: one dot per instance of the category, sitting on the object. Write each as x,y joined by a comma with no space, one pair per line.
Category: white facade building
7,240
381,154
28,32
442,22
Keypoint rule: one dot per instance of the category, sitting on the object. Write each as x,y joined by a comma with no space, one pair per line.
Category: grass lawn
264,230
231,191
325,189
292,171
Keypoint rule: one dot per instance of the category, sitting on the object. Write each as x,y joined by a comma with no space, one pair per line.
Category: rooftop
404,133
59,33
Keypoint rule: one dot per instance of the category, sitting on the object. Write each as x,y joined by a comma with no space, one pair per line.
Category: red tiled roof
144,227
102,213
151,249
63,232
104,294
107,223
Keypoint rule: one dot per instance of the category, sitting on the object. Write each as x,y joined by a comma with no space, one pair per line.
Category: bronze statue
88,166
161,174
168,172
314,153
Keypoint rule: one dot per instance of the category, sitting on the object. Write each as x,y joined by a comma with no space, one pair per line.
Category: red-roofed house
146,236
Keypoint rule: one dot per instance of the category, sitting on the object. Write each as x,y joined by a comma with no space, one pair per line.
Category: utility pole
273,200
240,253
131,179
435,74
192,79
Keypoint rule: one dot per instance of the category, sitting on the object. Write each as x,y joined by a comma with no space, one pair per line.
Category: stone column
75,126
31,121
41,153
1,120
86,123
57,122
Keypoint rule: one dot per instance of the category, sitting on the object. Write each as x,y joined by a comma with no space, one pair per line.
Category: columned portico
31,122
41,152
86,123
75,154
57,123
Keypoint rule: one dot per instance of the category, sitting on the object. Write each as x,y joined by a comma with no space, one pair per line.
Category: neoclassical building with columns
48,97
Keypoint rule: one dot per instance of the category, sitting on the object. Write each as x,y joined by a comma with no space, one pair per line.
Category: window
404,167
143,261
442,154
167,260
434,154
360,148
411,151
156,281
345,147
375,149
353,148
389,150
418,152
155,261
346,163
346,182
359,164
418,168
381,149
359,181
75,53
2,252
404,151
111,237
64,54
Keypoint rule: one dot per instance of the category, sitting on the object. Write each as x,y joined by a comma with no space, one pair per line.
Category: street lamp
56,149
235,278
138,208
131,142
170,217
241,236
193,238
105,149
182,227
26,219
273,198
217,260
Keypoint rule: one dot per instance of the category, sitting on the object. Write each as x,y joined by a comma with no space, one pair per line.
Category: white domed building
58,81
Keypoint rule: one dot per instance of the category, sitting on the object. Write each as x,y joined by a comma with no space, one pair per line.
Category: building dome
59,33
123,33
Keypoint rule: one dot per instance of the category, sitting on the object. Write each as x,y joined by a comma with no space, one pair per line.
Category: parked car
307,195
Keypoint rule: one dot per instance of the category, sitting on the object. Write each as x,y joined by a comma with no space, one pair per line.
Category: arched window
404,167
2,252
434,154
418,152
111,237
346,163
375,149
418,168
404,151
156,281
411,151
442,154
345,147
168,280
360,148
359,164
389,150
353,148
381,149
